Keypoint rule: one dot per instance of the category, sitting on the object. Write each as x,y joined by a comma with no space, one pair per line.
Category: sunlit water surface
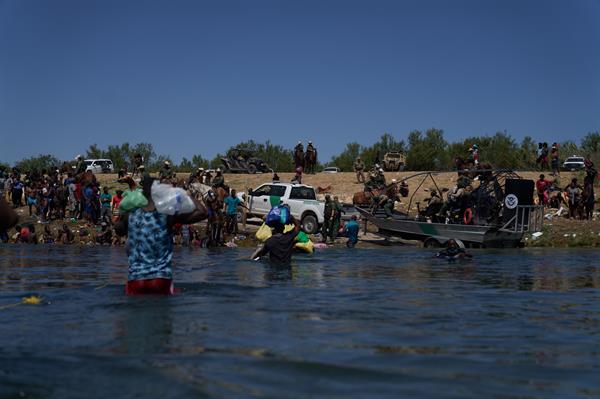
362,323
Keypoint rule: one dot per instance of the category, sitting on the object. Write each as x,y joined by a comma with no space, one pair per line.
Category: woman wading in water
150,244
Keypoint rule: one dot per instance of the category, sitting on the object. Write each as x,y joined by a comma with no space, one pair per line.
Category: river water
366,323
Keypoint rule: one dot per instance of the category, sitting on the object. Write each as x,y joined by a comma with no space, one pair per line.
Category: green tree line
424,150
429,150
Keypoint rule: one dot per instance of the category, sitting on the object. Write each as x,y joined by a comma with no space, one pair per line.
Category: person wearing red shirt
542,185
116,201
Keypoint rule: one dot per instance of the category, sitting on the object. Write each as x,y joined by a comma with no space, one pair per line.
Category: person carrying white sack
149,231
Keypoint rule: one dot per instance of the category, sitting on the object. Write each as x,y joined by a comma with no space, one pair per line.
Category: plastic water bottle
171,200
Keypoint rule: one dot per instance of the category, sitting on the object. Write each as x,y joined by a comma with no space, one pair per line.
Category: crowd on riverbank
77,208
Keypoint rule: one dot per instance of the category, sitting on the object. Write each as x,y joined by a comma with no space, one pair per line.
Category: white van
99,165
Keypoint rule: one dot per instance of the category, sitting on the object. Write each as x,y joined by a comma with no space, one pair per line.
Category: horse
299,158
65,168
213,198
310,161
365,198
199,190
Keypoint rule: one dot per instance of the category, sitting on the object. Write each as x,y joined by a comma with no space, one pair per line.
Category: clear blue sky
197,77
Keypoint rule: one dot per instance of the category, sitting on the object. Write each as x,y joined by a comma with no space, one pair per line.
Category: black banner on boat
517,192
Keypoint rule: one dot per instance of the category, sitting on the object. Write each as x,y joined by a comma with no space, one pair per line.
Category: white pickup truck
301,199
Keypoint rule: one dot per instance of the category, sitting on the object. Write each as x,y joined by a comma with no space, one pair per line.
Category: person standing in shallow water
351,230
105,201
336,219
280,245
150,244
231,204
327,213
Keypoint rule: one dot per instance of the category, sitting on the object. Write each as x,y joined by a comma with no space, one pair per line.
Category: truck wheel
252,169
310,224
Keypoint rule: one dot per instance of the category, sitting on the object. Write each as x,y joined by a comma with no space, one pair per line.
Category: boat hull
472,235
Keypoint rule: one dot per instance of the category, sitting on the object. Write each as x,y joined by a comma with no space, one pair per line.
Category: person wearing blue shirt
231,205
351,231
105,200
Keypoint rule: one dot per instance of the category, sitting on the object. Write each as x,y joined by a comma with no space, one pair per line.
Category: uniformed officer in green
388,207
336,219
380,178
372,182
327,213
359,167
80,167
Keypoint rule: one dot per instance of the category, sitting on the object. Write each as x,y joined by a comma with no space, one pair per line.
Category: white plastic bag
171,200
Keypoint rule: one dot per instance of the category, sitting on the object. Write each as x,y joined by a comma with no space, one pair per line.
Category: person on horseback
166,172
138,162
80,167
218,180
310,158
359,167
207,177
196,176
299,155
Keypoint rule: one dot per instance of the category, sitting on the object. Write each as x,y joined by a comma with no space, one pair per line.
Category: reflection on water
361,323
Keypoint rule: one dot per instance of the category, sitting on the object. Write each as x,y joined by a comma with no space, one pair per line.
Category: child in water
150,244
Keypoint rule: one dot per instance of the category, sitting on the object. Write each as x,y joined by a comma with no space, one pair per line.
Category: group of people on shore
52,195
71,207
579,199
